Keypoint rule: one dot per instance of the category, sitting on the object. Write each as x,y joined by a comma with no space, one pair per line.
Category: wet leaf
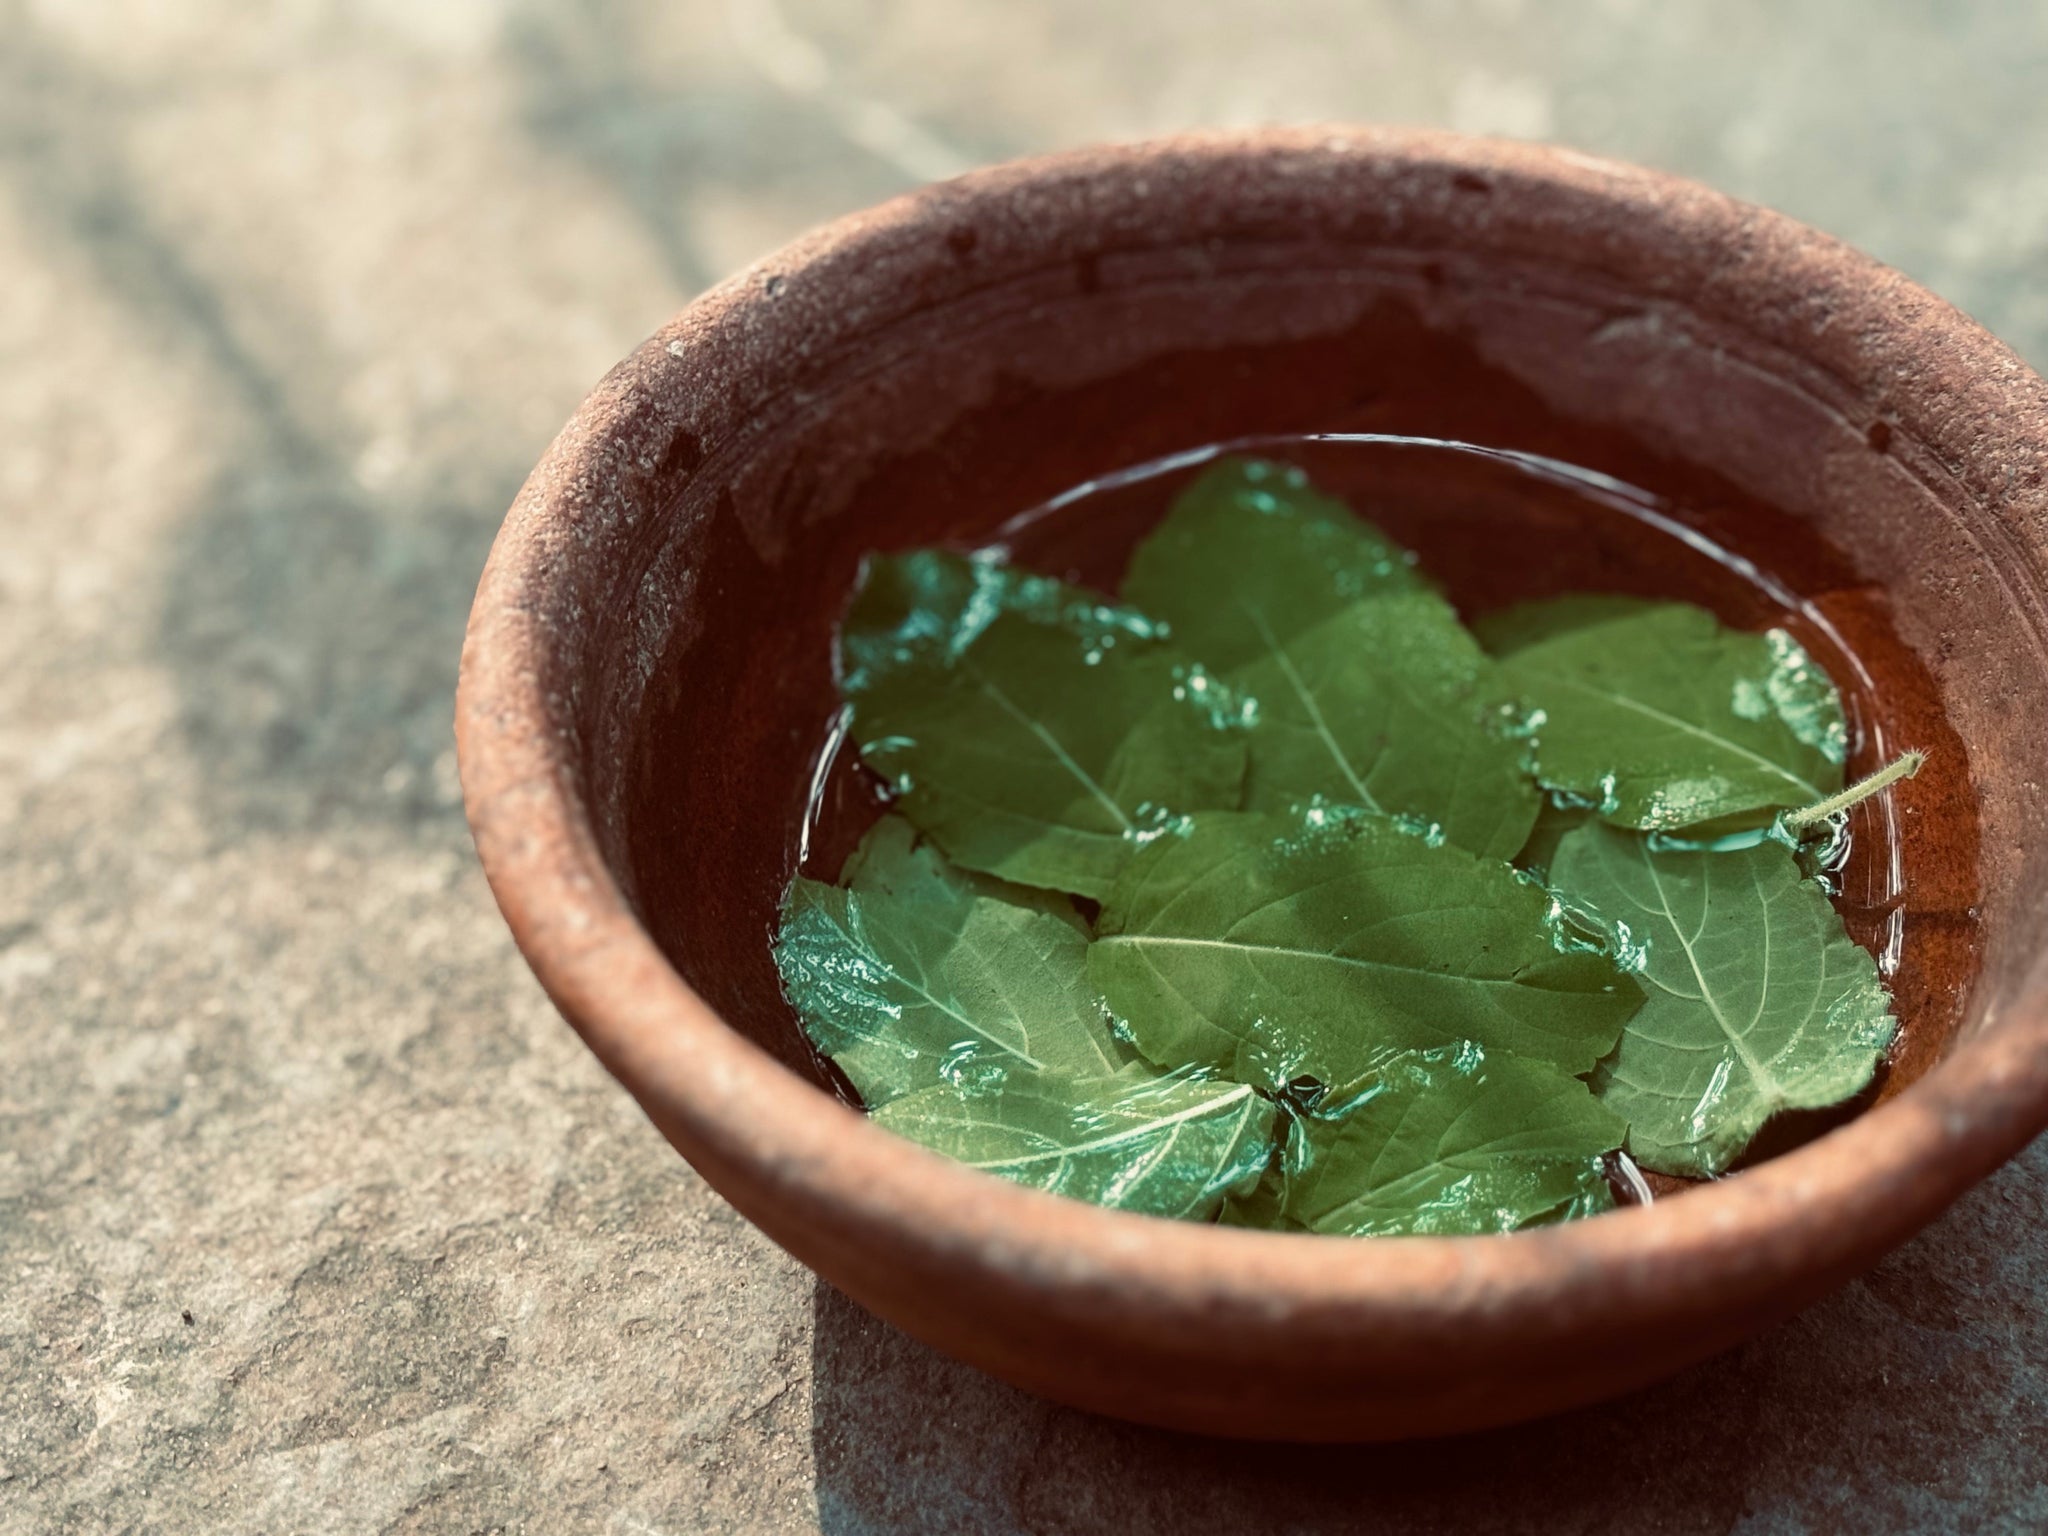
1389,704
1275,947
920,972
1251,556
1456,1140
1369,691
1168,1146
1035,731
1553,821
1757,1000
1262,1206
1662,718
1507,630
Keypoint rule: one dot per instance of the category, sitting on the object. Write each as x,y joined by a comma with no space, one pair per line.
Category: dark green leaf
1662,718
1507,630
921,972
1168,1146
1390,705
1262,1206
1553,821
1758,1000
1250,556
1034,731
1456,1140
1276,947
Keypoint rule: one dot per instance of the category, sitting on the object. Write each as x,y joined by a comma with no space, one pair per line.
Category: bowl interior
968,410
648,680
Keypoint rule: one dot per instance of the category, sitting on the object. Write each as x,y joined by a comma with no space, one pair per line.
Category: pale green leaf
1033,730
1456,1140
1390,705
1662,718
921,972
1168,1146
1272,947
1250,556
1368,690
1757,998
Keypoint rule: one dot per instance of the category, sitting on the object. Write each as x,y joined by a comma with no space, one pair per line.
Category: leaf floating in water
1456,1140
1251,556
1271,947
1035,731
1507,630
1390,705
1661,718
1357,925
920,972
1757,998
1553,821
1167,1146
1263,1205
1369,691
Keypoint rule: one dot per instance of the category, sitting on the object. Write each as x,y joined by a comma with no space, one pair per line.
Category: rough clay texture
312,1217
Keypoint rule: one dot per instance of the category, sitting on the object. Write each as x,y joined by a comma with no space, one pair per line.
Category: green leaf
1273,947
1369,690
1390,705
1507,630
1169,1146
920,972
895,859
1757,999
1250,556
1553,821
1662,718
1262,1206
1456,1140
1034,731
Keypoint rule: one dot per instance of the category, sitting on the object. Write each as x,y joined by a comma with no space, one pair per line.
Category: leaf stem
1905,767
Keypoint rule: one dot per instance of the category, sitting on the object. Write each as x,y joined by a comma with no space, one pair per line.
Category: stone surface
312,1217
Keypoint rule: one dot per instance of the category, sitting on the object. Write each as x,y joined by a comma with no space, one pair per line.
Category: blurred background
312,1216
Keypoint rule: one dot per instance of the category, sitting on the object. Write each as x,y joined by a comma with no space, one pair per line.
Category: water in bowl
1497,526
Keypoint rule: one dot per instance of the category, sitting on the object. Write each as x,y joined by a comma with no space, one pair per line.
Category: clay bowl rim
789,1154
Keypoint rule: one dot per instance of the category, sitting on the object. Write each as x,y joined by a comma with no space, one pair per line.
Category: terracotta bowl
646,680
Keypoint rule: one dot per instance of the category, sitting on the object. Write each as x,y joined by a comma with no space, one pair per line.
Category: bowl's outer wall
647,673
